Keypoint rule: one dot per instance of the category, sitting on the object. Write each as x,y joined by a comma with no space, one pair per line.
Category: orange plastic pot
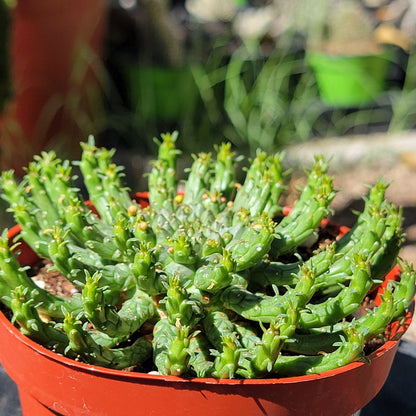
50,384
55,49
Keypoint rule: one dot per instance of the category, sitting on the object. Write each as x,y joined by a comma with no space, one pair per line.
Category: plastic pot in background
55,49
50,384
350,81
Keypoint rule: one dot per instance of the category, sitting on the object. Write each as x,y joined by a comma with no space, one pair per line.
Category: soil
52,280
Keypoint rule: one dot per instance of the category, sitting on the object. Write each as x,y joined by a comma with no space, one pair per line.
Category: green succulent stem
351,349
82,343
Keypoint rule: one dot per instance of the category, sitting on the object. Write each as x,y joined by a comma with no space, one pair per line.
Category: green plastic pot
349,81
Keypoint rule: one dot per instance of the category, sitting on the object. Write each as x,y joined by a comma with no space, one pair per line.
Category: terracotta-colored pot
55,58
50,384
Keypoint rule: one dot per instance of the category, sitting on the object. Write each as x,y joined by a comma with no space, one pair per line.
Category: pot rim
396,331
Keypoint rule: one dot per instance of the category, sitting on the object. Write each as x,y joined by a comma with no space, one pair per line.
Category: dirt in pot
51,280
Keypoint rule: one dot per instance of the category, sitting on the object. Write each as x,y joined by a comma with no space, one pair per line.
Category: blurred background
259,73
336,77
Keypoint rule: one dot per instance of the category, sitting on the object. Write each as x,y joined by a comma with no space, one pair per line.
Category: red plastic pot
50,384
55,51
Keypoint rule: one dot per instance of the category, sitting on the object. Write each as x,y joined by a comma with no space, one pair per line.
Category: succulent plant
218,281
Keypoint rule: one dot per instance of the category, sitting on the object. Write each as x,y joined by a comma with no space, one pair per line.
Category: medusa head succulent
214,281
